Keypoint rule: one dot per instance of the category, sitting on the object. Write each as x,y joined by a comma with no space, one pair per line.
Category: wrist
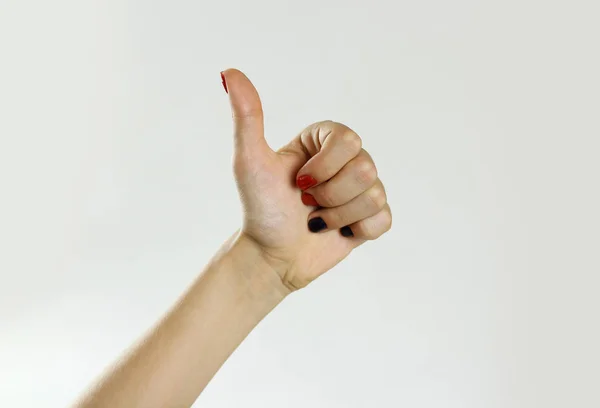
260,276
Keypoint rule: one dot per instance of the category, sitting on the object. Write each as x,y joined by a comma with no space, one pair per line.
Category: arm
181,354
306,207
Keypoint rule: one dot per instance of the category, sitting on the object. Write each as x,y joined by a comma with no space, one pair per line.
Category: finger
365,205
331,146
371,227
247,113
358,175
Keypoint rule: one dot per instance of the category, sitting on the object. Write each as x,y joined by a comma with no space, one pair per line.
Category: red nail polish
308,199
224,82
305,182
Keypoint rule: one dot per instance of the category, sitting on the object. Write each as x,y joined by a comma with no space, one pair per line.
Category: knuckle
352,140
326,122
377,197
366,172
367,230
387,221
382,224
240,166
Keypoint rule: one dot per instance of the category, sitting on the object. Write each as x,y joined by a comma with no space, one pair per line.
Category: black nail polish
316,224
346,231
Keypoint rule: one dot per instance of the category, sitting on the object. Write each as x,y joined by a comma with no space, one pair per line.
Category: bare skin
273,254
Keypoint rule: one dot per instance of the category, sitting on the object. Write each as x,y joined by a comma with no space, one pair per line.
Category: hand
309,204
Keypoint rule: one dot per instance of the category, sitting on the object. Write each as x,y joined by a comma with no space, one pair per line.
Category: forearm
177,359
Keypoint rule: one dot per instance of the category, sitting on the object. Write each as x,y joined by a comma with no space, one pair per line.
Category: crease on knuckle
338,219
325,197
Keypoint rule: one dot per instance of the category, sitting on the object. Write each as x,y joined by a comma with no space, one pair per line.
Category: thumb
247,114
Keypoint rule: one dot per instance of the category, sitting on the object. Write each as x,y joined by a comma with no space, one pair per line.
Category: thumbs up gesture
310,203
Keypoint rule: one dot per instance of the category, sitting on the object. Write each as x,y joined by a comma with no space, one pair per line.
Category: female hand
306,207
309,204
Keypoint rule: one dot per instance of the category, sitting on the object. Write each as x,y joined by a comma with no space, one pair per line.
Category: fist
310,203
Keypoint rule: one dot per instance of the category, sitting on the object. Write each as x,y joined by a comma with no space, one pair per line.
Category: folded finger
357,176
331,145
365,205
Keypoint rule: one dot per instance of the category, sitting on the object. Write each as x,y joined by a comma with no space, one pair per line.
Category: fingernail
346,231
305,182
308,199
224,82
316,224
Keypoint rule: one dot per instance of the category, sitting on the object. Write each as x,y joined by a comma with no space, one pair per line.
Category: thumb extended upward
247,114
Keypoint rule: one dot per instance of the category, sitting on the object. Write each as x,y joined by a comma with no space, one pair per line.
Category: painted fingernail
305,182
316,224
224,82
346,231
308,199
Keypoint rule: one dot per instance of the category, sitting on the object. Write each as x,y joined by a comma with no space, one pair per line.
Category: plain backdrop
482,116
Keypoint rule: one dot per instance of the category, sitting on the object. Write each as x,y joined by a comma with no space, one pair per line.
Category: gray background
483,117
